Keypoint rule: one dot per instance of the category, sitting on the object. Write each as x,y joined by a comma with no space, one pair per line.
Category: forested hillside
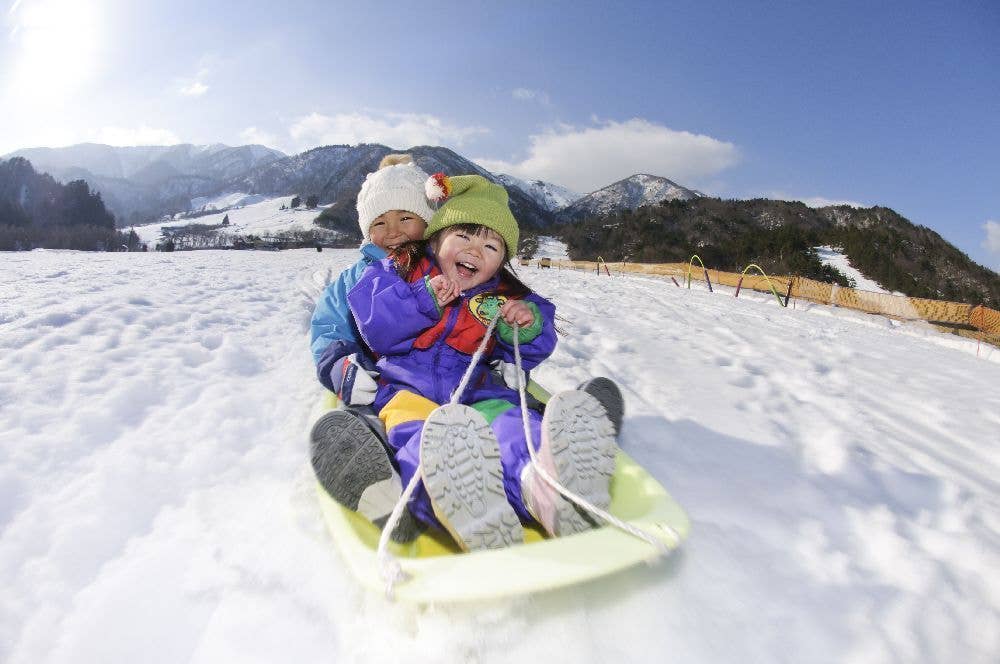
36,211
780,236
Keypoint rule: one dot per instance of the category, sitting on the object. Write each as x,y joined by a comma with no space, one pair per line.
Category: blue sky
887,103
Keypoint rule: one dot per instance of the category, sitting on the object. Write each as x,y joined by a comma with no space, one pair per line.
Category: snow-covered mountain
627,194
335,173
150,164
144,182
550,196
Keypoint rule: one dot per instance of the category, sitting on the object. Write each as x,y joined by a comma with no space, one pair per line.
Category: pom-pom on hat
471,199
398,184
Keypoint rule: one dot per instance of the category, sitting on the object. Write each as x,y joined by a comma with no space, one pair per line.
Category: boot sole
460,461
607,393
352,465
582,441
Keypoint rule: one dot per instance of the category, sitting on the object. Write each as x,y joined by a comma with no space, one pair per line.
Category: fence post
788,293
691,264
977,319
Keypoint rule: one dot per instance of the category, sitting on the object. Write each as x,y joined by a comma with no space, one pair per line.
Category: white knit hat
398,184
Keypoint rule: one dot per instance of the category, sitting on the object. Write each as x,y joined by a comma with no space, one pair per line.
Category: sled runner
437,570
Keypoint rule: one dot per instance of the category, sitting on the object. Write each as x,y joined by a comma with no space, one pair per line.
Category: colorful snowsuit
333,331
424,351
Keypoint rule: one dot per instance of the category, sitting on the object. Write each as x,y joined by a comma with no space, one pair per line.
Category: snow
550,247
840,262
262,218
226,201
157,503
550,196
629,194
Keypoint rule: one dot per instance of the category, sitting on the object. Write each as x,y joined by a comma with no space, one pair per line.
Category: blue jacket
333,331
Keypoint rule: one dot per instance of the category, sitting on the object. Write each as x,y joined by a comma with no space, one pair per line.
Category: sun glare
56,48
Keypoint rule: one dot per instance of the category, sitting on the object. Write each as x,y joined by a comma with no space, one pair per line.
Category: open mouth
466,270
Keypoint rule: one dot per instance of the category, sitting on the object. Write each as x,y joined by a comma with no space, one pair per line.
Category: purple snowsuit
426,350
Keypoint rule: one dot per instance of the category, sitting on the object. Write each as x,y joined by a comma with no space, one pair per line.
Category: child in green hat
425,311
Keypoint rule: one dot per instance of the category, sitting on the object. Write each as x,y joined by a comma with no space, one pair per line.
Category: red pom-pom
437,187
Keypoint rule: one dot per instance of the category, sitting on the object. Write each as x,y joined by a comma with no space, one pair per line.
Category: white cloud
141,135
586,159
195,86
992,241
397,130
525,94
195,89
255,136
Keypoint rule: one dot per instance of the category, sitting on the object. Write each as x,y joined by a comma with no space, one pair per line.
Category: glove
508,373
353,378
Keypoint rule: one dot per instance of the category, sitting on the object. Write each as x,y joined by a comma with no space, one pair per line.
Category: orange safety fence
977,322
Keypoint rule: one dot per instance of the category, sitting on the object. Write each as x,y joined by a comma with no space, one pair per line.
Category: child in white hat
392,210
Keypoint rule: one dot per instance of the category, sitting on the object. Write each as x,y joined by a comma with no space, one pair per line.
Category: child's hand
516,311
445,290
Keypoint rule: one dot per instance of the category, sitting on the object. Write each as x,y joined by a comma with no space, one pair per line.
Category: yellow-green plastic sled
439,572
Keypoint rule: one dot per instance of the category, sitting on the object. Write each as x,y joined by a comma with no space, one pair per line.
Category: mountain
628,194
150,163
334,173
780,236
142,183
550,196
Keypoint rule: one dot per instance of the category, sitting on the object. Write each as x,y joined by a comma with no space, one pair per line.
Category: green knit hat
471,199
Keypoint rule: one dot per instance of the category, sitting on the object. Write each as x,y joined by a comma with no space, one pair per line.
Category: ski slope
839,261
157,503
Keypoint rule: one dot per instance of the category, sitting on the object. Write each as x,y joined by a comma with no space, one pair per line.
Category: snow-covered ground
157,504
838,261
261,218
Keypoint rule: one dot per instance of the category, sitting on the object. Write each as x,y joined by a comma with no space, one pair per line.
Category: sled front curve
439,572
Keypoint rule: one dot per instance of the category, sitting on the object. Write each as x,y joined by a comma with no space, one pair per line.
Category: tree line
36,211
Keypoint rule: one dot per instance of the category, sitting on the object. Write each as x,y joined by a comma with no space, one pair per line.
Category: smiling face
469,257
393,228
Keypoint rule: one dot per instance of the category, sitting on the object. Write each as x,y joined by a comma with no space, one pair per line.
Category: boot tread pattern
347,457
583,446
460,460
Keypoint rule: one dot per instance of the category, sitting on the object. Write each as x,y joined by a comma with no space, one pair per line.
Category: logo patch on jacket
486,305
